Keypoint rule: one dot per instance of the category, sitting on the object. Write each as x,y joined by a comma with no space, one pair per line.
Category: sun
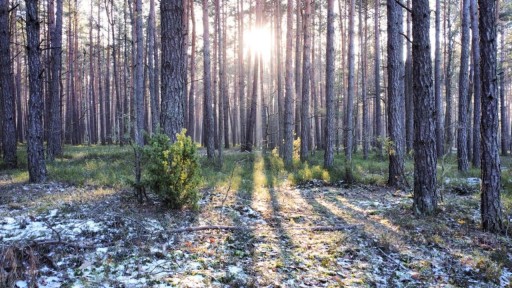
259,41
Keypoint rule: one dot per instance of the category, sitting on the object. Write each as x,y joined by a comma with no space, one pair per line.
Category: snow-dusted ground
100,237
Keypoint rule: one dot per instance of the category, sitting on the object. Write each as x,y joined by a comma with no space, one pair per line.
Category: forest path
103,238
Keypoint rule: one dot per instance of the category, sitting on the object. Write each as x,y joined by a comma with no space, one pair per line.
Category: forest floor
257,231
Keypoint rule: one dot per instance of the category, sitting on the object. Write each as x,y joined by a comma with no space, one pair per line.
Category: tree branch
406,38
232,228
403,6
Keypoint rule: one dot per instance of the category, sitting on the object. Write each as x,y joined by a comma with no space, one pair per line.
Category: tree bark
349,116
477,89
437,82
492,219
505,140
298,61
329,88
462,143
174,74
208,111
396,99
288,101
425,156
305,128
35,147
6,90
364,100
378,109
448,120
409,93
241,75
155,109
192,88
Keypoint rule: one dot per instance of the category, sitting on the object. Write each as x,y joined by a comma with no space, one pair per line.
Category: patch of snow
505,278
234,270
21,284
193,281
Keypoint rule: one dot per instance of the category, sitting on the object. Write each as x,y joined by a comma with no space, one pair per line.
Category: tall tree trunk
220,47
241,75
378,109
462,143
306,69
329,88
108,99
35,147
208,111
192,89
477,89
279,67
437,83
364,46
425,156
315,97
155,109
298,61
99,52
396,99
490,199
448,120
288,101
174,72
505,140
139,94
224,80
349,116
409,93
55,133
6,90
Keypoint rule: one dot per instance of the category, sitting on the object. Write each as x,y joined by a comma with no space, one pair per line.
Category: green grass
84,165
113,165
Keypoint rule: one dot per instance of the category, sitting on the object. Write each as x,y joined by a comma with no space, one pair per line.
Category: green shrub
172,170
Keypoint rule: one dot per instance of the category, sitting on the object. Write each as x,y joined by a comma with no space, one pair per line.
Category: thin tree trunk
192,89
349,118
298,61
288,109
306,70
409,93
279,64
224,81
108,99
492,219
329,88
99,56
505,140
378,109
364,46
448,120
208,111
155,109
7,90
241,75
425,156
462,143
437,83
477,89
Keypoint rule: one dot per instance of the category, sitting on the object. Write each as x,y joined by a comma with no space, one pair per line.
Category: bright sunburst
259,40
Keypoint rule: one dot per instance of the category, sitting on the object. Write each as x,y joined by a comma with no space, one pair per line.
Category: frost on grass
101,238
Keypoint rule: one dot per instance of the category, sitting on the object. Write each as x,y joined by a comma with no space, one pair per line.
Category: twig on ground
232,228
